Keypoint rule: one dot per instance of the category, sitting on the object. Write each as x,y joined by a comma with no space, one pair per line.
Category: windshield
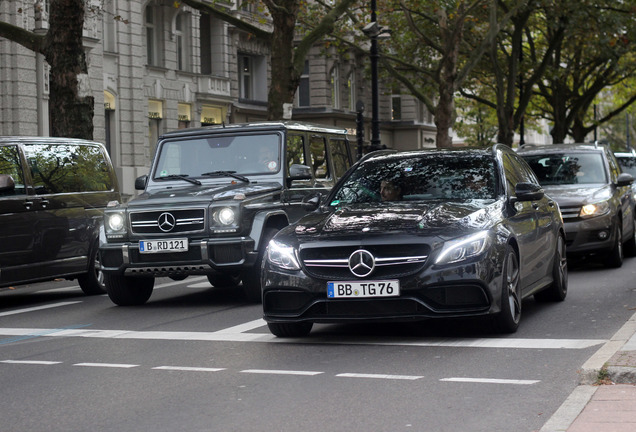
243,154
420,178
568,168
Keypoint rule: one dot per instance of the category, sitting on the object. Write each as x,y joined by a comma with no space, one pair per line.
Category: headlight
115,222
282,255
225,216
464,248
224,219
596,209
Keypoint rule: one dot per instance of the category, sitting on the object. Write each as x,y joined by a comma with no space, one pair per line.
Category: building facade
156,68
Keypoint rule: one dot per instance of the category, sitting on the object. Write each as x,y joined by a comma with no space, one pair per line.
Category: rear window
568,168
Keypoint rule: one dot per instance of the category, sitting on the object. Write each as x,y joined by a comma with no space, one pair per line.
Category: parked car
53,192
470,233
593,194
214,198
627,161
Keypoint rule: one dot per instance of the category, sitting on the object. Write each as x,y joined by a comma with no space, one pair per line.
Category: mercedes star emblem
361,263
166,222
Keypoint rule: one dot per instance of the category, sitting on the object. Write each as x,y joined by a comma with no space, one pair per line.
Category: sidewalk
605,400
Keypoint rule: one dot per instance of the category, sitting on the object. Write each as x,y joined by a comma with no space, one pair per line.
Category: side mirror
311,202
528,192
624,179
299,172
6,183
140,182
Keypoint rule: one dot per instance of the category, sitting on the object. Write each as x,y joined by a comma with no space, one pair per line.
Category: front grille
391,261
570,213
185,221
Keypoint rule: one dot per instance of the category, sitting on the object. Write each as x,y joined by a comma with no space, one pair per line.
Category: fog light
603,235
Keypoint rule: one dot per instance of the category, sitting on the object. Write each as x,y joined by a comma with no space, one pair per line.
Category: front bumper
203,257
472,289
590,235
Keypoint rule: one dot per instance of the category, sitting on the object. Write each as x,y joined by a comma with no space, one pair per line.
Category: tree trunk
71,103
285,78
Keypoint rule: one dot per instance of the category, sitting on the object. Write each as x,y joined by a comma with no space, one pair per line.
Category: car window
295,151
615,169
10,164
340,157
568,168
244,154
628,164
421,178
62,168
318,154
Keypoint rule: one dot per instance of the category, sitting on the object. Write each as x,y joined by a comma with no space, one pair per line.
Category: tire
252,277
128,291
298,329
92,282
630,245
615,257
507,321
224,280
558,290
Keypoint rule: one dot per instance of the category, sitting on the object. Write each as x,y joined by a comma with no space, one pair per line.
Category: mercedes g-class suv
213,199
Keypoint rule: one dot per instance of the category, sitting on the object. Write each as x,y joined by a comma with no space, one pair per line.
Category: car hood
576,195
204,193
441,219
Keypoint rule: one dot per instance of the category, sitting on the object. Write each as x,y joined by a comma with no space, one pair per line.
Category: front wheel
558,290
507,321
252,277
298,329
128,291
92,282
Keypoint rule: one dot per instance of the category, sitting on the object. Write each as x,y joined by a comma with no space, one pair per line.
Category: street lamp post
375,122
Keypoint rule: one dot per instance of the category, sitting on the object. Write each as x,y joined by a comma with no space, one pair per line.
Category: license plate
363,289
163,246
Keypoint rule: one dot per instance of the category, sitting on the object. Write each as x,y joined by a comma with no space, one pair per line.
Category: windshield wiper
180,177
227,174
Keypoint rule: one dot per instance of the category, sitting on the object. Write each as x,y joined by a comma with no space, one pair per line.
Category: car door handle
535,206
44,203
28,204
551,203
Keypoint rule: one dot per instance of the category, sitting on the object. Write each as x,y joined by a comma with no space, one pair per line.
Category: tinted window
568,168
628,164
60,168
340,157
429,177
318,154
10,164
295,150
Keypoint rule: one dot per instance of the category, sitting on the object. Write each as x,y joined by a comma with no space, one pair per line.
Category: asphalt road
196,358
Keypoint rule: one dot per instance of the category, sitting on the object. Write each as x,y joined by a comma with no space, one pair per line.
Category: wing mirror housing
528,192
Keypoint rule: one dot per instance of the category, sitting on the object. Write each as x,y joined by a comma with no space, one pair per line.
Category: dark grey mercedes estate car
417,235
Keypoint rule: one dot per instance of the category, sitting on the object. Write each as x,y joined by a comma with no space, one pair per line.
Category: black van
212,201
53,192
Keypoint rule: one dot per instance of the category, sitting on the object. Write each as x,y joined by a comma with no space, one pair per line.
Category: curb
614,360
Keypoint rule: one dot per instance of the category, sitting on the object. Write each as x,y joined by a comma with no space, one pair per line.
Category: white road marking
199,285
280,372
379,376
31,309
107,365
236,334
32,362
188,368
491,381
190,279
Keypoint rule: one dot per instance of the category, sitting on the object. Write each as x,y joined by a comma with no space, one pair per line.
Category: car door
62,222
525,223
624,194
18,221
